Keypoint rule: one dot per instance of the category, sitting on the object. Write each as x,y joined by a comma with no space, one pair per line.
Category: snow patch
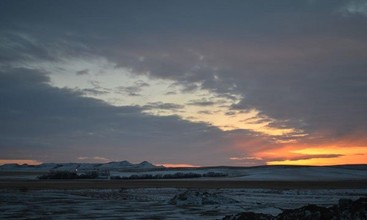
195,198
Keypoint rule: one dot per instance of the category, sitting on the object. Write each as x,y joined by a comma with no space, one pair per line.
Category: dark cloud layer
302,63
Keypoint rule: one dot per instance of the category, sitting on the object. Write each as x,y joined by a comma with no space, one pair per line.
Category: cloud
311,80
206,112
82,72
356,7
132,90
20,162
201,102
247,160
53,124
129,90
94,159
305,157
163,106
94,92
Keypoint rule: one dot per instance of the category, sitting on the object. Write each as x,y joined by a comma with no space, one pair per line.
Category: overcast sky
184,82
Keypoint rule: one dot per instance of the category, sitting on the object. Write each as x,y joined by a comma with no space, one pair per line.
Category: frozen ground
159,203
262,173
156,203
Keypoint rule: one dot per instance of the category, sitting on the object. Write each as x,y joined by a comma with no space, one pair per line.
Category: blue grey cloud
53,123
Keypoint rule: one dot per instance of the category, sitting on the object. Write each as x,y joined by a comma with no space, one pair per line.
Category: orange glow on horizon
343,160
315,156
20,162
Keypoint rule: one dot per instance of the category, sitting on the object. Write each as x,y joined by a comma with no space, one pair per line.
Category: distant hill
116,165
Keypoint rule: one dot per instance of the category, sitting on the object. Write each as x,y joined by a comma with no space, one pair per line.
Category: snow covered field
266,189
158,203
262,173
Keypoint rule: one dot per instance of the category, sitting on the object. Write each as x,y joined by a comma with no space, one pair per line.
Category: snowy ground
109,202
263,173
154,203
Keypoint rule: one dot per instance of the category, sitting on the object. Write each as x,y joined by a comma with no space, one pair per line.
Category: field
143,199
268,190
203,184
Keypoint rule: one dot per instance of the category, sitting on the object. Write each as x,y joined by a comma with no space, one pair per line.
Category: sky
195,83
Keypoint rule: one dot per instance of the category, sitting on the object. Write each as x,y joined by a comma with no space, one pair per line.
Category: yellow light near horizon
114,82
343,155
232,122
342,160
332,150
